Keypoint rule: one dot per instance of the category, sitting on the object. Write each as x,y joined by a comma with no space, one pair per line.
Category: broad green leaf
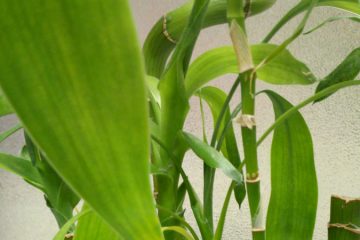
333,19
348,69
5,107
9,132
66,227
79,90
284,69
22,168
352,6
293,200
166,33
93,227
212,157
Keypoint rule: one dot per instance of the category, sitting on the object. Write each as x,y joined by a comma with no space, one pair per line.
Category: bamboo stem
344,218
250,152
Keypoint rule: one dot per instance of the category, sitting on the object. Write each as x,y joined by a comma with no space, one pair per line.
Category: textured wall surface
335,125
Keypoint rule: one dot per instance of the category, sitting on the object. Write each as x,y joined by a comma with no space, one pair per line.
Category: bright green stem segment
250,152
344,218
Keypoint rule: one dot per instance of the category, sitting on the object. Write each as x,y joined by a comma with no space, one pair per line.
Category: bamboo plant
100,117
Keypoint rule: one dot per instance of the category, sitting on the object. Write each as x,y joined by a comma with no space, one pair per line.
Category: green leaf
332,19
152,84
166,33
93,227
174,105
179,230
195,203
5,107
284,69
9,132
293,201
22,168
212,157
351,6
307,101
348,69
59,197
65,229
215,98
76,88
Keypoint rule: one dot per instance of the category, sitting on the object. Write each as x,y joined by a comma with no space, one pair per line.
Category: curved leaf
332,19
21,167
166,33
293,201
64,230
215,98
9,132
75,88
284,69
179,230
348,69
352,6
212,157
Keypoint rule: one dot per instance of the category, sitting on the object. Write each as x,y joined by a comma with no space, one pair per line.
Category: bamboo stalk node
252,177
246,120
165,31
258,230
346,199
347,227
69,236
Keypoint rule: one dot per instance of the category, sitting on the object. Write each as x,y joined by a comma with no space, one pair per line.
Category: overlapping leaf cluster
98,122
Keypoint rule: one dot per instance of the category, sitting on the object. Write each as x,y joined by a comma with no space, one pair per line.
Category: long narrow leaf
212,157
215,98
9,132
76,88
347,70
352,6
64,230
22,168
332,19
284,69
307,101
293,201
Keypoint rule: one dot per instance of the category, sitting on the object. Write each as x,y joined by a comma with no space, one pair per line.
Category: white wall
334,124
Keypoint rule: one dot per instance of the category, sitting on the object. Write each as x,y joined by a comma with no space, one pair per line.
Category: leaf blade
347,70
221,61
293,201
212,157
20,167
83,93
